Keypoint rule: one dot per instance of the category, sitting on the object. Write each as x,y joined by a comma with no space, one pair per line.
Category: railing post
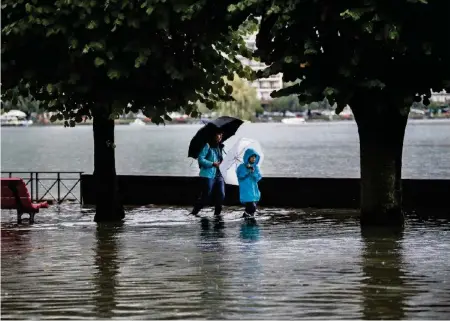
34,181
37,187
31,186
59,187
81,190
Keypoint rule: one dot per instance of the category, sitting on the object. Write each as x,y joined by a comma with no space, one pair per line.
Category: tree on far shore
245,104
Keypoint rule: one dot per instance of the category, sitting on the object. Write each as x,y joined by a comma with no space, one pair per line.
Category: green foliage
292,104
437,106
245,103
368,54
158,56
245,100
27,104
286,103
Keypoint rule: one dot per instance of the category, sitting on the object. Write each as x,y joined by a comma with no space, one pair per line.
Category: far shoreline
198,123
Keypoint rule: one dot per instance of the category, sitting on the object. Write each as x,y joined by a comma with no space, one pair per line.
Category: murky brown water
164,264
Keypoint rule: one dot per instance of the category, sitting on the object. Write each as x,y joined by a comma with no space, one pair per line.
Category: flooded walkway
165,264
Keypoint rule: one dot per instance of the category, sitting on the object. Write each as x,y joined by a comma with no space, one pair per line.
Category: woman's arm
202,161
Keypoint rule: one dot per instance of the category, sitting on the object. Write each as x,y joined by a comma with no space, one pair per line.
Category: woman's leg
207,185
220,195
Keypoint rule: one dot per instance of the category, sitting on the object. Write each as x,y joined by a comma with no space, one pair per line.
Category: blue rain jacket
206,158
248,181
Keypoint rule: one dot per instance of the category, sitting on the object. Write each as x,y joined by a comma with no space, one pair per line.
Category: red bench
15,196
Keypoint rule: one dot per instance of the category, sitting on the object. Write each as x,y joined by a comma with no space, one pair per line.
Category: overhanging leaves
155,56
373,49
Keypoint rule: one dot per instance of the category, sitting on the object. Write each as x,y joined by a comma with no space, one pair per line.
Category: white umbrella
16,113
234,158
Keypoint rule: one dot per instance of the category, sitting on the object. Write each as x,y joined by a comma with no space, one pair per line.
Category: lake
309,150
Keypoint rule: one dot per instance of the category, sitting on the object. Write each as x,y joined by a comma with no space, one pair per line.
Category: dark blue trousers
212,188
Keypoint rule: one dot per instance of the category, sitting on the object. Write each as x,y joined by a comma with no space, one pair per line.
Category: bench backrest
8,199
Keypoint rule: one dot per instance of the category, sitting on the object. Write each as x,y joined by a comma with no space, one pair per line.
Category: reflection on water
383,287
251,268
213,276
250,230
165,264
107,268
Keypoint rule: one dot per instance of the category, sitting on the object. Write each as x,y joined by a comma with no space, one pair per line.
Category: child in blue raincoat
248,176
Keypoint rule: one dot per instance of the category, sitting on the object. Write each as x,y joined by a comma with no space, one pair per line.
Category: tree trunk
381,148
108,205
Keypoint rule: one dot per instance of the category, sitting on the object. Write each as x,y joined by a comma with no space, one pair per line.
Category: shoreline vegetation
246,106
137,123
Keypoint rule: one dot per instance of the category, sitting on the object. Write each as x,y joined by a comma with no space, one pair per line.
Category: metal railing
43,186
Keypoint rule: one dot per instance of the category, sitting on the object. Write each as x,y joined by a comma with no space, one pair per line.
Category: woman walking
212,185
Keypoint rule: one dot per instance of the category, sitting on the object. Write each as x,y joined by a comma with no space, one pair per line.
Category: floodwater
164,264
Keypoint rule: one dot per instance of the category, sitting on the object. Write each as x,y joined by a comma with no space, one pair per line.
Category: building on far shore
440,97
263,86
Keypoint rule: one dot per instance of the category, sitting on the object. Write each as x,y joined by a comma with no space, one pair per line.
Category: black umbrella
227,125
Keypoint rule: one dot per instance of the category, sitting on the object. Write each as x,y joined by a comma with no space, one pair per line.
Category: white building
440,97
264,86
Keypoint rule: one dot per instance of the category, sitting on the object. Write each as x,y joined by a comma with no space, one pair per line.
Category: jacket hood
248,153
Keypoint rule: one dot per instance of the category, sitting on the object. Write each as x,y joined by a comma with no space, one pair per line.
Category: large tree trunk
381,146
108,205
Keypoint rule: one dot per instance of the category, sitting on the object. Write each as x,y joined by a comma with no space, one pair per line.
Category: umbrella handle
236,160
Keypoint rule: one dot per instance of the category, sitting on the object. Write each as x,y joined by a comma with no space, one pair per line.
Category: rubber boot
218,210
196,210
